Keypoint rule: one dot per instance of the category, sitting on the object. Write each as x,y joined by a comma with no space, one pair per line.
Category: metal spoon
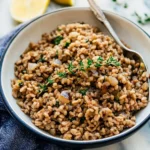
100,16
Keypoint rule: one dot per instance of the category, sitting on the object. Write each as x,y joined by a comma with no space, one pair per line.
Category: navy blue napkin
13,136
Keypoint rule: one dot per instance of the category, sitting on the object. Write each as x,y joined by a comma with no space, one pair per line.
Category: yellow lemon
23,10
65,2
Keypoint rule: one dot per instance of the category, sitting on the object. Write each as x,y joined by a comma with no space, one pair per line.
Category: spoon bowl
132,54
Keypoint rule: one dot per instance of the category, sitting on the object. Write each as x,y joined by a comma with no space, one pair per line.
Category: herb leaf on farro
57,40
62,74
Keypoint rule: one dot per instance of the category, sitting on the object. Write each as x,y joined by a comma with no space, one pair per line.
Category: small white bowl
130,33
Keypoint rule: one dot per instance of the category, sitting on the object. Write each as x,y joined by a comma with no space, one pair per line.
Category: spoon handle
100,16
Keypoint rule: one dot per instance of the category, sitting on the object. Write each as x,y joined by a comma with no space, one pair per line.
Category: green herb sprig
83,91
70,68
89,63
42,59
62,74
99,62
112,61
43,89
67,44
57,40
49,81
81,66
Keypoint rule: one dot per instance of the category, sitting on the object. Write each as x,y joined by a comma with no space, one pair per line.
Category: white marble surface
141,139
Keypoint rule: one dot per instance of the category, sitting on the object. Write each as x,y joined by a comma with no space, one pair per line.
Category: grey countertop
141,139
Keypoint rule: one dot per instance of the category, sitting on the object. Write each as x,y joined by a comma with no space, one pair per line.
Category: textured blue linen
13,136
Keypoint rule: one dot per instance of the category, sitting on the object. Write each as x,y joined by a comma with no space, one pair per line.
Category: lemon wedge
24,10
65,2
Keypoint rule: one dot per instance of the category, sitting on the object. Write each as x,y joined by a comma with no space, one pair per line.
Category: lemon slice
65,2
23,10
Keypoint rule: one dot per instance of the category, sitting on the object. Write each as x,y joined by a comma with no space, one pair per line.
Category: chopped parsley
83,91
56,40
67,44
62,74
70,68
81,66
42,59
50,81
99,61
43,88
97,65
89,63
112,61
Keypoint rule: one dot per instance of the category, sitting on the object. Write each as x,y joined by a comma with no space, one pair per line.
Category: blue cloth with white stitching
14,136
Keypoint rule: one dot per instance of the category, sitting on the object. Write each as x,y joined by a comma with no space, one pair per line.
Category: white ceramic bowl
127,31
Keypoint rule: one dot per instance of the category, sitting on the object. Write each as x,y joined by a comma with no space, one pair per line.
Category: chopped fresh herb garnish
81,66
112,61
21,84
89,63
67,44
70,68
43,88
42,59
83,91
114,0
62,74
99,61
57,104
82,119
71,119
50,81
56,40
97,65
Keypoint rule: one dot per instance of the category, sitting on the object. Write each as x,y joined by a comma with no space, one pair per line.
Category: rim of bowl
50,137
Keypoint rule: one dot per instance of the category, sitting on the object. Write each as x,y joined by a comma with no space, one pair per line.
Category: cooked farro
76,84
